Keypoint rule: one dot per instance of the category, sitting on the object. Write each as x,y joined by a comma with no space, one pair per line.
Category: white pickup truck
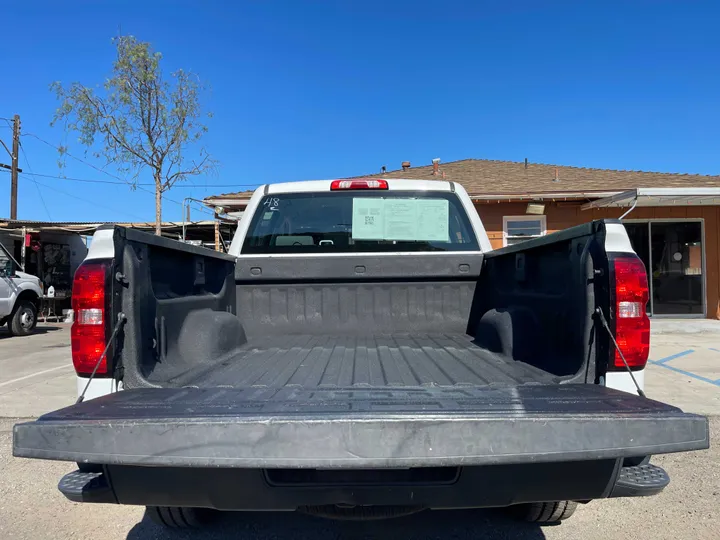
20,295
361,353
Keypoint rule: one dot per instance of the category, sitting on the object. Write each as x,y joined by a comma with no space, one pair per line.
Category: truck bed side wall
534,301
180,304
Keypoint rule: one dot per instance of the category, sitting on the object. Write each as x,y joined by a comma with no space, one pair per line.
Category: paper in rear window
360,222
414,220
368,219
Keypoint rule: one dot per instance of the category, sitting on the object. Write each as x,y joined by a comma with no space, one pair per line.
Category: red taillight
632,324
87,335
358,184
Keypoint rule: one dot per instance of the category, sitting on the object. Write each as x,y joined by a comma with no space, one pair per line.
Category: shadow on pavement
4,333
469,524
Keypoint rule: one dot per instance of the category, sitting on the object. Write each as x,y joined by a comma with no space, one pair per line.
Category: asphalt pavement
36,376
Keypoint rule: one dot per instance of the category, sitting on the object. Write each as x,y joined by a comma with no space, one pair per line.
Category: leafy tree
139,120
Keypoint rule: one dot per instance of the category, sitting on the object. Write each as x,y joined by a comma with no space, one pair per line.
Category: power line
94,181
94,203
42,200
122,181
138,186
38,175
200,208
66,153
31,175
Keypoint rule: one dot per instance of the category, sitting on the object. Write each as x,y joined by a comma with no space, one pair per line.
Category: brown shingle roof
483,176
489,177
233,195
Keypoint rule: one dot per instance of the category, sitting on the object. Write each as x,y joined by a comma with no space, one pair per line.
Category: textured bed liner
360,428
376,361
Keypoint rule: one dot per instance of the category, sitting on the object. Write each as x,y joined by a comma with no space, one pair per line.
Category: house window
520,228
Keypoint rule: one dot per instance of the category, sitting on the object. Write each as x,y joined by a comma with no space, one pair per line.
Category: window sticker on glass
433,220
367,219
401,219
410,220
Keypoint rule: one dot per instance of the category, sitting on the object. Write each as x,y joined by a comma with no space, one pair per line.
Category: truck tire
175,517
546,512
23,319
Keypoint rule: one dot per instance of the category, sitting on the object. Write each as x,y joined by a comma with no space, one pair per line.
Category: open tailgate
359,427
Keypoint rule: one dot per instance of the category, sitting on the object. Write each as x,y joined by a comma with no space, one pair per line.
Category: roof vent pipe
436,165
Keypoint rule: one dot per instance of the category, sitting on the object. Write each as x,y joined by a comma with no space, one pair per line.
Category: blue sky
305,90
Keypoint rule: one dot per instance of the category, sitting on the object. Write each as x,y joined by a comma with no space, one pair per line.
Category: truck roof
396,184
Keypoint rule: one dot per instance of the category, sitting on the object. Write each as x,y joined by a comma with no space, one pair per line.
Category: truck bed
246,382
376,361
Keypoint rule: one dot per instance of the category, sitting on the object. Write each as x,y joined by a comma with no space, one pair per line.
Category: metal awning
699,196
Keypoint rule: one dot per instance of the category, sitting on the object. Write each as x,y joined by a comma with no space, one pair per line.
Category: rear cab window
359,221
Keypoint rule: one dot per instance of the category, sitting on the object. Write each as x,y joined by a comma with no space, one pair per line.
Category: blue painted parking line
689,374
663,362
672,357
713,349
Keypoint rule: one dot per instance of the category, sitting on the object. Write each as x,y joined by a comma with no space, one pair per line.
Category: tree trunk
158,210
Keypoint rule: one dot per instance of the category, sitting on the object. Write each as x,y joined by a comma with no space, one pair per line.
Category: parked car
20,295
361,352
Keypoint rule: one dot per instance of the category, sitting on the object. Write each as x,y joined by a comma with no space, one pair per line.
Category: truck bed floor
375,361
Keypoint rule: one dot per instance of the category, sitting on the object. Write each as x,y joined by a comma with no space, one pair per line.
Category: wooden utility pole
14,166
14,169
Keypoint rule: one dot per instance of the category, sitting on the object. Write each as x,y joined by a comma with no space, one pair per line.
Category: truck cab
20,295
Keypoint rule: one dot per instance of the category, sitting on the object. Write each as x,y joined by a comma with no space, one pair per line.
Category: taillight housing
88,334
358,184
632,324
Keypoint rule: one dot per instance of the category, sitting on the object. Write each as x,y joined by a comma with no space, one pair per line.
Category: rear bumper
467,487
360,429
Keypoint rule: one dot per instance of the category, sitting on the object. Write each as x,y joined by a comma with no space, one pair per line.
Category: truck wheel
23,319
545,512
175,517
